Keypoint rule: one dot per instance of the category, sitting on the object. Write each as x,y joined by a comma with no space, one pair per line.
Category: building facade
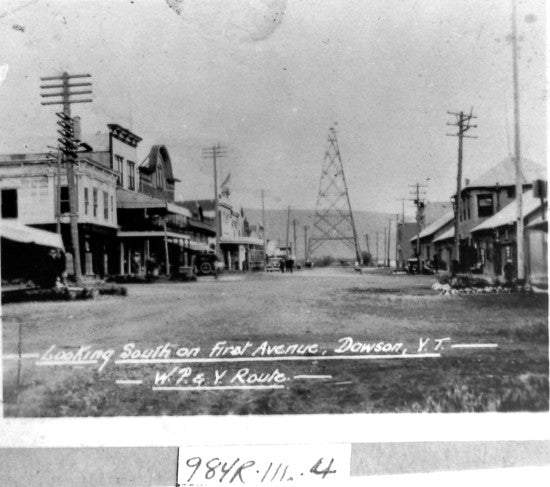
495,241
153,231
487,234
240,246
35,192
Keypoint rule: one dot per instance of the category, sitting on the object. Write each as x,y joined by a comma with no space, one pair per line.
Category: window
9,203
160,176
65,206
95,201
119,167
105,205
86,200
112,209
131,175
511,193
484,205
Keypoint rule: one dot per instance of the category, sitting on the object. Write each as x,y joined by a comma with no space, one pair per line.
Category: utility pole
385,246
214,153
305,244
396,241
263,232
517,152
287,228
420,205
377,242
70,135
462,121
58,156
399,234
402,209
295,248
389,240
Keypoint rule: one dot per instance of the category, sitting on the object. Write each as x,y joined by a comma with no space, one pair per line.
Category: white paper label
254,465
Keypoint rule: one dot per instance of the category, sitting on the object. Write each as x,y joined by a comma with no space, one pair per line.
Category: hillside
367,223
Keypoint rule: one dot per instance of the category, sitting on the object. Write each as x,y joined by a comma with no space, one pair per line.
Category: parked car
412,266
207,263
273,264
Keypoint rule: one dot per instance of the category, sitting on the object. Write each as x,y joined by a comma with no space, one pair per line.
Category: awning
153,233
435,226
133,200
178,210
242,241
538,224
16,231
445,236
202,226
200,247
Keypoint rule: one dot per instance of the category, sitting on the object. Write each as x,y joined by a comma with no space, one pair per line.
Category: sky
267,78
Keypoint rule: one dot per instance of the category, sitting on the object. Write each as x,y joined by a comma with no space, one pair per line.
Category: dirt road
328,340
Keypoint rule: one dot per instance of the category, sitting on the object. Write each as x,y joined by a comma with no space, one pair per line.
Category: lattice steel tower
333,219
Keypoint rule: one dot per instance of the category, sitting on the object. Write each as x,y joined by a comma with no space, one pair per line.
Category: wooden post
167,256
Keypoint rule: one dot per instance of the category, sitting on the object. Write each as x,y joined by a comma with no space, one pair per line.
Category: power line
70,132
420,204
463,124
214,153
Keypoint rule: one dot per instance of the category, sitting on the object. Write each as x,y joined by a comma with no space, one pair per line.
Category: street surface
316,341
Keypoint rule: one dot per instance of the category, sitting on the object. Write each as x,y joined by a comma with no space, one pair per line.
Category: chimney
467,181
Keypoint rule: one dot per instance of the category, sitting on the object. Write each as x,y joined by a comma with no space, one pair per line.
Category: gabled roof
507,216
435,226
158,152
504,174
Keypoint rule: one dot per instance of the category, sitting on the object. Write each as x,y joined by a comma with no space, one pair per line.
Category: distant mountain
373,224
367,223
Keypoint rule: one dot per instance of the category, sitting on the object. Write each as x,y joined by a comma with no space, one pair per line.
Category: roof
435,226
242,241
124,134
507,216
159,152
538,224
133,200
504,174
18,232
206,205
99,141
445,236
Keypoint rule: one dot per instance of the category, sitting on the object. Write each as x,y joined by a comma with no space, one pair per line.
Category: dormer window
484,205
160,176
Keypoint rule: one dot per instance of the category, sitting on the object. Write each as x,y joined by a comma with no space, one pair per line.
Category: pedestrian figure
217,266
508,271
289,264
136,263
282,265
61,268
150,266
47,274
